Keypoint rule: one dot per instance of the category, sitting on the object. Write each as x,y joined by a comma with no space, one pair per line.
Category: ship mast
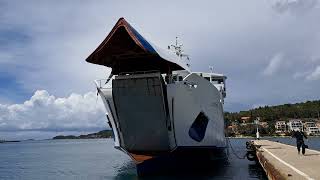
177,48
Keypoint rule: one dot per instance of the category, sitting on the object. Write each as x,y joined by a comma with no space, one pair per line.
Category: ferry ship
156,106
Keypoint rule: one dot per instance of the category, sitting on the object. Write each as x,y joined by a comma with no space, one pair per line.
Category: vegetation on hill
269,114
309,109
100,134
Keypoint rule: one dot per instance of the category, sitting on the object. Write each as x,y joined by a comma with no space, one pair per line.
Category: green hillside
308,109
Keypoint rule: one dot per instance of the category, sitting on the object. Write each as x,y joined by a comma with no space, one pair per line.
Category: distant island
4,141
100,134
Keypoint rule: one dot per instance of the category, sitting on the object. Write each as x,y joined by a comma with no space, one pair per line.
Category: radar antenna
177,48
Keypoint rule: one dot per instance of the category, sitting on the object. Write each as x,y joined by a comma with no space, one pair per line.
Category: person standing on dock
299,135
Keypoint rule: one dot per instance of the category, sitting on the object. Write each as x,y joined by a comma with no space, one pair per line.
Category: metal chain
233,151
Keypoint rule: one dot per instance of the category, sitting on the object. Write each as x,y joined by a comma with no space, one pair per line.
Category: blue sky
11,89
269,50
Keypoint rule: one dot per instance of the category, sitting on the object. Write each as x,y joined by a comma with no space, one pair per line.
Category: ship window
214,81
174,78
198,127
207,78
217,81
180,78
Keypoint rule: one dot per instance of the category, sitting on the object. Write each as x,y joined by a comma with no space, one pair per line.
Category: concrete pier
281,161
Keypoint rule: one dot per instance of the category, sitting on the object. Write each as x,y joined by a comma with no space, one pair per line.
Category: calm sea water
97,159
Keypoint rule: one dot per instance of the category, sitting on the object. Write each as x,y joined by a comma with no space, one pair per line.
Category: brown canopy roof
125,50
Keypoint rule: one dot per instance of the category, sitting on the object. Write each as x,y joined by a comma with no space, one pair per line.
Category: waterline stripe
290,166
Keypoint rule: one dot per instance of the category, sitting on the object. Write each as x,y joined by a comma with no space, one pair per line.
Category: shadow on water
185,171
219,169
255,170
230,168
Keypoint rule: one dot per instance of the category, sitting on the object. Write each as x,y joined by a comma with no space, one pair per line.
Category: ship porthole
198,128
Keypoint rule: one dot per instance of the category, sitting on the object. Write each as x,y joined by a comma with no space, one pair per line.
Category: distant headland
4,141
100,134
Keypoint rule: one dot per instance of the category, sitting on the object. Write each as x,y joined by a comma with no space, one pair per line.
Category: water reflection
256,171
222,169
185,171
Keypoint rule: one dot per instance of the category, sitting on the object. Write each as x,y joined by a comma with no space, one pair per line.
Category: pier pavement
281,161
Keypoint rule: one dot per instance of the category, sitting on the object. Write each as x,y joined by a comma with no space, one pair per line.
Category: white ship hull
149,117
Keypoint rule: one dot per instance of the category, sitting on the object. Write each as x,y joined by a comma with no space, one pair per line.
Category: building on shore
245,119
318,123
281,127
311,128
295,124
264,124
232,129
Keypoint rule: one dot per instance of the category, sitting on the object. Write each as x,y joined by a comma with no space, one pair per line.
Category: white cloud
47,45
315,59
234,37
44,112
274,65
298,75
315,75
295,6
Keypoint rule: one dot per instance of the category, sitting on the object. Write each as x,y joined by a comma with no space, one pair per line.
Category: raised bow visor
125,50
